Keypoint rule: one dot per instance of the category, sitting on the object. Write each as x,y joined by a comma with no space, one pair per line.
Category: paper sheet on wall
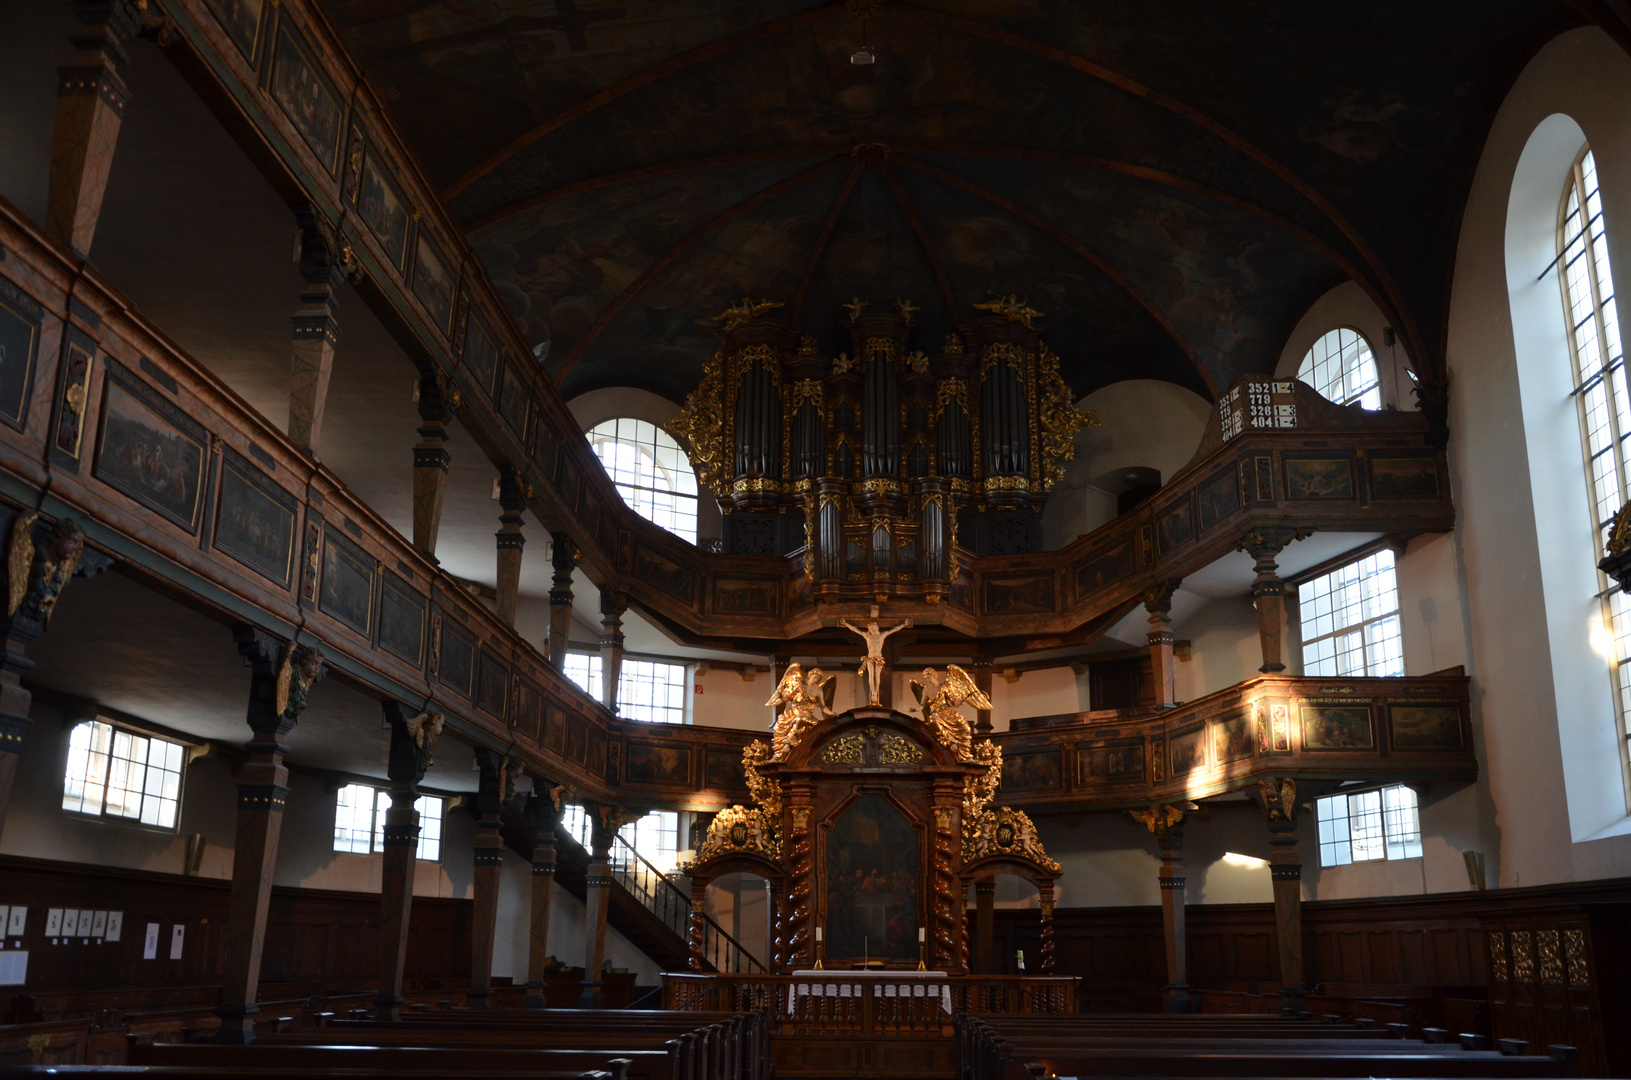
116,925
150,947
99,924
178,934
70,922
53,921
19,922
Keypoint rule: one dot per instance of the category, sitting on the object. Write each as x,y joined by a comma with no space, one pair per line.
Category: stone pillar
488,805
1279,801
543,814
281,677
430,460
316,330
1158,602
512,500
1167,823
91,100
604,823
985,896
612,606
563,557
980,668
413,739
50,555
1268,593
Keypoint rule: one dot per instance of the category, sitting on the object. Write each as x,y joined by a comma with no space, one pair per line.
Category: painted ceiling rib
638,285
647,172
796,308
634,82
1409,329
922,239
1098,261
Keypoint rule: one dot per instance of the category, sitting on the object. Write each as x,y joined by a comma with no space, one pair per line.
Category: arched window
1599,379
650,471
1341,367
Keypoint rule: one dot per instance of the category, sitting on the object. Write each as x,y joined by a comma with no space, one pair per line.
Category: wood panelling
326,938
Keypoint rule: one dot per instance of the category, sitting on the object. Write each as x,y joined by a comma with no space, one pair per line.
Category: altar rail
843,1005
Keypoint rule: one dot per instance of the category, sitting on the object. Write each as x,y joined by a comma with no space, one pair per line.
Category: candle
921,935
818,934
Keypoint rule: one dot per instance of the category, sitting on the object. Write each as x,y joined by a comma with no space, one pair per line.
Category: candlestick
922,935
818,933
819,966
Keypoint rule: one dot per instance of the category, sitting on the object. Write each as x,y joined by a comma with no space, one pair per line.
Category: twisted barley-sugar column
803,885
946,953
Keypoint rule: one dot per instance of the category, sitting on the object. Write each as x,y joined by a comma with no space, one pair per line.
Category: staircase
649,909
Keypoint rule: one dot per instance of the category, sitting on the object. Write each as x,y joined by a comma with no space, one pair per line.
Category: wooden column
281,677
316,331
697,929
488,805
985,897
91,100
50,556
803,914
1158,602
1278,798
1045,894
563,557
1268,593
413,739
612,606
980,668
543,814
604,823
430,460
512,500
1167,823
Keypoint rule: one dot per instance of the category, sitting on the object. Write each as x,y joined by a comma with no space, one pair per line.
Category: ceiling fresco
1171,181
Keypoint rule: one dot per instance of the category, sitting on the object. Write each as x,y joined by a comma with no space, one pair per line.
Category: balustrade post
512,500
492,793
604,823
315,329
91,101
430,461
1268,592
563,557
1158,602
281,677
612,606
543,815
413,738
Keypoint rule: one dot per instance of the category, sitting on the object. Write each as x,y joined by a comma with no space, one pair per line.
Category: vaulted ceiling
1171,181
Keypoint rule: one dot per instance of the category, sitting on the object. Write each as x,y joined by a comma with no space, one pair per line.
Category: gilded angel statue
942,696
803,697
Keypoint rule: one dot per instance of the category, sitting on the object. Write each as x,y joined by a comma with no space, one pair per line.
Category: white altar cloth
843,984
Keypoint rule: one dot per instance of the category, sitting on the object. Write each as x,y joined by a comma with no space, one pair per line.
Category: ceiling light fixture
863,56
863,10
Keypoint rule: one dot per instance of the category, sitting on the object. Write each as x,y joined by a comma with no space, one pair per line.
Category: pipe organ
878,462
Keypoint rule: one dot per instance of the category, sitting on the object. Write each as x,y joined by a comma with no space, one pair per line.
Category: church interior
676,540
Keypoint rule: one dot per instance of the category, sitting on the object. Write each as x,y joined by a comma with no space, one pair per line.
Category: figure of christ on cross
872,666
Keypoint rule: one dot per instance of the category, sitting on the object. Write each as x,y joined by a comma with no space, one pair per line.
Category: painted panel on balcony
1404,478
658,763
255,520
664,573
150,450
1111,763
1337,727
492,684
480,356
1425,727
1186,753
242,21
402,620
1319,477
383,209
723,769
744,596
433,282
1019,595
554,733
1104,568
1038,771
514,401
458,657
1232,737
1219,498
347,592
528,712
1175,526
307,96
20,317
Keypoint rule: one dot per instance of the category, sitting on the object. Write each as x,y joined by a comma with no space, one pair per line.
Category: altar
870,827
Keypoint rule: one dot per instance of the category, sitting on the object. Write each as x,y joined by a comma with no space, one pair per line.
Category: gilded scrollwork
765,792
845,750
981,789
895,750
1013,308
1005,353
700,427
737,830
1058,419
1005,832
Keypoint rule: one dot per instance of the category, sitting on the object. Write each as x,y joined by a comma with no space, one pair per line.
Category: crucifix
872,666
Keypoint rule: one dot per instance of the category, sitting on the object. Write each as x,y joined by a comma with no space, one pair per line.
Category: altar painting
872,883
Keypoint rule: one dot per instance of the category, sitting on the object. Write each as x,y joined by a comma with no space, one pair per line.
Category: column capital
1278,798
437,401
1166,822
1157,596
563,558
413,741
605,820
325,257
282,676
1266,543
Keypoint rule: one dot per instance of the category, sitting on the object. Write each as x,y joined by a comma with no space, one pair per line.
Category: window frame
1368,350
1611,376
376,822
117,728
682,471
1336,566
1384,840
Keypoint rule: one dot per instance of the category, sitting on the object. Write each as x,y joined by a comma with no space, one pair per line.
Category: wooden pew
183,1072
619,1064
